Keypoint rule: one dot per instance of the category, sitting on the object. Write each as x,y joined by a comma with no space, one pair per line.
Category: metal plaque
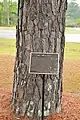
44,63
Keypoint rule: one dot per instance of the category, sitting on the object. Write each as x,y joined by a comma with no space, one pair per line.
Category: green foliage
12,13
1,13
72,16
77,21
70,22
73,13
73,10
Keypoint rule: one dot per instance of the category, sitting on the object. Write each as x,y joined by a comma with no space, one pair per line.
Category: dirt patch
71,83
6,71
5,99
70,108
71,76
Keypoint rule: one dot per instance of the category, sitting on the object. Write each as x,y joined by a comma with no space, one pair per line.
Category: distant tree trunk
6,13
0,18
41,29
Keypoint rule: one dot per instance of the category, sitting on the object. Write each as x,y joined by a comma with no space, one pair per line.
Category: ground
71,88
70,108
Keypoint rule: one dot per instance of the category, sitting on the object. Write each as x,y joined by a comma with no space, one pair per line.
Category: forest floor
71,90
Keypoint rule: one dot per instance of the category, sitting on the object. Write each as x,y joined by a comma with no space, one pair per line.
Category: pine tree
41,27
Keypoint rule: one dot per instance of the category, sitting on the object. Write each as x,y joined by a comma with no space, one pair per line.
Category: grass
72,50
71,72
7,28
7,46
72,31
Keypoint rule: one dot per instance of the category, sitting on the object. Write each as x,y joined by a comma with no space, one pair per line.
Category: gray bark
41,29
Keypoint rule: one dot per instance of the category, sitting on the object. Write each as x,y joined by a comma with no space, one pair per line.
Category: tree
41,27
12,12
73,13
73,10
6,13
1,13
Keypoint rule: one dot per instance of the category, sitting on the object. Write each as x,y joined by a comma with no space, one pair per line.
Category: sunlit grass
72,51
7,46
71,72
7,28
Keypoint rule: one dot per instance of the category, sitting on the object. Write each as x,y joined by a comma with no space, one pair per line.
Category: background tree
12,13
73,14
41,27
6,13
1,13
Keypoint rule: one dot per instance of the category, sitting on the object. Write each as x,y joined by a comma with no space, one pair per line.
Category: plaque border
42,53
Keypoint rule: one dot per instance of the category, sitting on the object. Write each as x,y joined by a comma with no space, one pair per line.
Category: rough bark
41,29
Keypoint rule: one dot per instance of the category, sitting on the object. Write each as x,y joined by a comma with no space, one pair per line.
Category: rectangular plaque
44,63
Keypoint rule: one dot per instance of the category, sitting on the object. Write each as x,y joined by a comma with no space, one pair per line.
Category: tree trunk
6,13
41,29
